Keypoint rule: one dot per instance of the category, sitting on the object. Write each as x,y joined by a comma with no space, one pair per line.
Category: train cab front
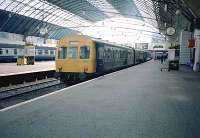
75,59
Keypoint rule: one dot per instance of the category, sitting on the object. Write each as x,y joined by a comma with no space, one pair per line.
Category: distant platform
7,69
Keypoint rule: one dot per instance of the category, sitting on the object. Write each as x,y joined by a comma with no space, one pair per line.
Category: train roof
101,41
10,45
22,46
107,42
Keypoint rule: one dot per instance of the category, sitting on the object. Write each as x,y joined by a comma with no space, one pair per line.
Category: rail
29,87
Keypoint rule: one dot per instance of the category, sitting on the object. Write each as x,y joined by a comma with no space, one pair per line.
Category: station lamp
165,8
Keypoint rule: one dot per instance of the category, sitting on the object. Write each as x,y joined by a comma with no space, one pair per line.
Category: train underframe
73,77
78,77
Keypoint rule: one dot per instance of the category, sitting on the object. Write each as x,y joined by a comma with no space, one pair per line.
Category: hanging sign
191,43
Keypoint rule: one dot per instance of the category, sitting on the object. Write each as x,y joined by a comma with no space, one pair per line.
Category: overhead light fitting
165,24
178,12
43,31
165,8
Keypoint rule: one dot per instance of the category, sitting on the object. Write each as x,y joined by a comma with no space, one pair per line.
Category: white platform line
56,92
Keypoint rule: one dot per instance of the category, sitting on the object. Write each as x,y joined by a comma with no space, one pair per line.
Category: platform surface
138,102
7,69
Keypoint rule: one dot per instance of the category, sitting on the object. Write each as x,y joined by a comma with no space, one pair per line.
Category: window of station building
15,51
62,53
72,52
84,52
1,51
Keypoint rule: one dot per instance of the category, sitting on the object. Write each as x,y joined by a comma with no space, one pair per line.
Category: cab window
72,52
62,53
84,52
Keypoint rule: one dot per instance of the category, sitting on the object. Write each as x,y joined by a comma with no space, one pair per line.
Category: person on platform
162,59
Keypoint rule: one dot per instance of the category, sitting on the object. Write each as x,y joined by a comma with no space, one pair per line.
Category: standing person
161,59
164,57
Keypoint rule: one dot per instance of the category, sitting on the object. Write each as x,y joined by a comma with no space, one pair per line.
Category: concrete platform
7,69
138,102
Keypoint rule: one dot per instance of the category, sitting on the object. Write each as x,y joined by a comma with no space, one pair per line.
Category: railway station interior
99,68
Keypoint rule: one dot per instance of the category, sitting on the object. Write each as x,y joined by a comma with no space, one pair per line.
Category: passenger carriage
80,56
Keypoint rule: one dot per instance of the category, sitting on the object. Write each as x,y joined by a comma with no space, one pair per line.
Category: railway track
15,94
7,92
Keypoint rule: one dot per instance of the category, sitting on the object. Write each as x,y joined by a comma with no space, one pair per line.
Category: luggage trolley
165,66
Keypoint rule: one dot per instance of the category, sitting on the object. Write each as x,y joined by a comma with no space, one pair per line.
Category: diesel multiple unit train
10,52
82,56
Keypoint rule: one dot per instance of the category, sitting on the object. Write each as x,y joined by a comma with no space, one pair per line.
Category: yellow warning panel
21,60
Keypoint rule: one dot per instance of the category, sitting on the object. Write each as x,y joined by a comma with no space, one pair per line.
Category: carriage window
39,52
6,51
52,52
62,53
15,51
46,52
109,53
72,52
1,51
84,52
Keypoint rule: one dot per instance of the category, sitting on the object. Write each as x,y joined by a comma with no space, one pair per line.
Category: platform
7,69
138,102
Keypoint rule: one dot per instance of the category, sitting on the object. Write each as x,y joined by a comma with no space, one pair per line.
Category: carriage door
85,56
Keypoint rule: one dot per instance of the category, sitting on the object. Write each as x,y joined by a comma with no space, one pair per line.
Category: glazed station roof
57,18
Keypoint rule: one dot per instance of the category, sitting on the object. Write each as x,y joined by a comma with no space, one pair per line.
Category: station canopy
123,21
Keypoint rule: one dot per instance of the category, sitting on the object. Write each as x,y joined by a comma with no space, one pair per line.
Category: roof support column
197,50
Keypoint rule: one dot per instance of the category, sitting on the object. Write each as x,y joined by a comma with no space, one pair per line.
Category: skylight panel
147,11
105,7
44,11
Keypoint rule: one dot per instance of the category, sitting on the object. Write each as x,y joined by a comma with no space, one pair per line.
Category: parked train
82,56
10,52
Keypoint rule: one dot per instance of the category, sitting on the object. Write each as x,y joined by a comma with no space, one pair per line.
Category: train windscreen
72,52
84,52
62,53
